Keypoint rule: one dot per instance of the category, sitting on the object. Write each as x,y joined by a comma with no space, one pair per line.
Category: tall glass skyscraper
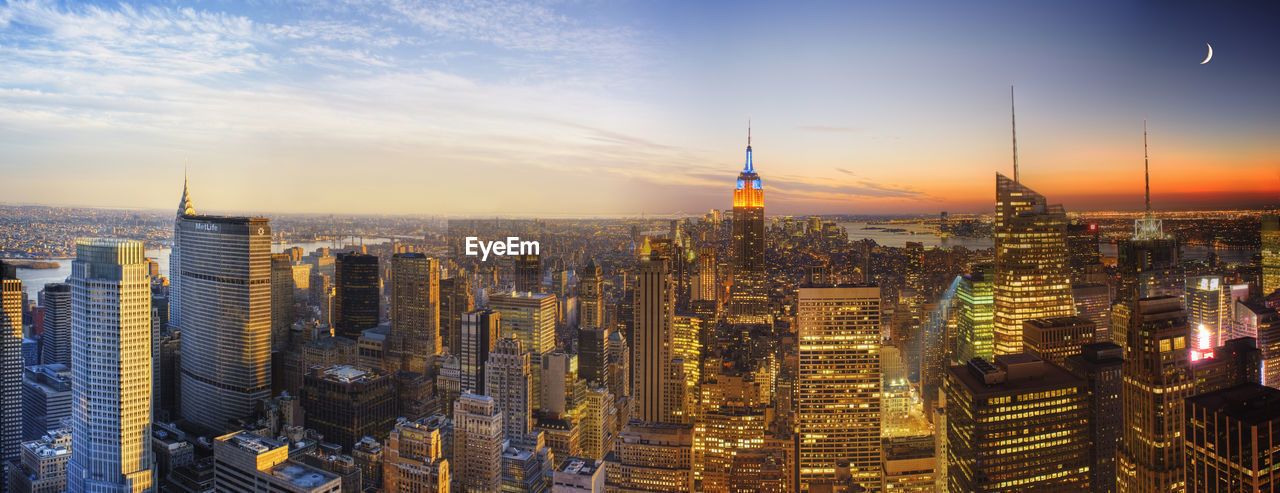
224,279
1270,232
1031,268
55,342
111,368
10,366
974,315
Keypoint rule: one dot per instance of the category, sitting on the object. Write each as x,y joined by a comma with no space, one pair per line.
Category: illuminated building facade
111,368
680,397
1093,303
528,273
1270,233
838,385
1100,365
509,381
1031,278
414,460
975,314
651,457
591,296
357,294
477,444
995,443
530,317
910,465
748,302
1207,300
1054,339
1236,362
652,333
10,364
1229,444
225,281
734,419
1157,377
415,308
55,341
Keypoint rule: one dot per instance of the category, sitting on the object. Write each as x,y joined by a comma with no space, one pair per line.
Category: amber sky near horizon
608,107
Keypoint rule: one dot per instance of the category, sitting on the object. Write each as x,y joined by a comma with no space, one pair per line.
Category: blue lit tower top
749,182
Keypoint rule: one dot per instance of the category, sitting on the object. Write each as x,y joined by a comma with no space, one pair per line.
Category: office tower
509,381
1084,259
477,444
248,463
915,265
994,444
579,475
654,309
282,311
414,339
1100,366
346,403
480,331
1262,323
55,341
357,295
10,365
1207,305
734,419
838,386
1030,273
593,345
1053,339
528,273
530,317
1236,362
111,374
559,382
680,396
591,294
749,295
651,457
617,375
910,465
599,422
46,399
1157,377
1093,303
185,209
708,281
974,314
455,299
415,460
526,470
1228,440
224,276
1270,239
42,467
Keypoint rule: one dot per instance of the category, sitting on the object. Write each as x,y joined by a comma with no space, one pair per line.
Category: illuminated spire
185,207
1146,163
1013,122
750,168
645,249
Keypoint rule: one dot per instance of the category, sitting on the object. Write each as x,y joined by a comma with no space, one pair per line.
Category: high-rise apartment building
480,331
222,277
1229,446
838,385
10,364
55,341
654,309
748,297
1031,273
1100,366
1157,377
477,444
995,444
530,317
974,314
111,368
357,294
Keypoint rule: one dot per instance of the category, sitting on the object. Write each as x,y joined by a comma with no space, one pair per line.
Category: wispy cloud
828,129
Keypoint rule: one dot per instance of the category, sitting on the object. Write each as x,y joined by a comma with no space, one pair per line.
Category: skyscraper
185,209
838,387
974,314
357,294
46,399
748,298
346,403
282,312
477,444
55,342
1054,339
1100,366
224,277
995,444
1207,302
651,353
455,299
111,375
1157,377
480,331
1229,445
1270,232
415,459
415,312
530,317
591,296
10,365
528,273
1031,277
509,381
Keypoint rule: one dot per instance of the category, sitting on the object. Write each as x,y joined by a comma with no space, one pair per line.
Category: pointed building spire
749,168
1146,164
1013,121
185,207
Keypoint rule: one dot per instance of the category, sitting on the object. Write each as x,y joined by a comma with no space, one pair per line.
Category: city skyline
632,107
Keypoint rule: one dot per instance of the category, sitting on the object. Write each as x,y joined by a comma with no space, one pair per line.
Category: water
33,280
923,233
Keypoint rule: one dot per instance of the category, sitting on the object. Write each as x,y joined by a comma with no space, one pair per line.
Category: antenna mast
1146,164
1013,120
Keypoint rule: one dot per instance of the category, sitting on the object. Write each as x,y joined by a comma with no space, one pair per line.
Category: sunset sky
618,107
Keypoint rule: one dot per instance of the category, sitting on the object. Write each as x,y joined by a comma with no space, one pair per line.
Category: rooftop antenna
1146,163
748,132
1013,120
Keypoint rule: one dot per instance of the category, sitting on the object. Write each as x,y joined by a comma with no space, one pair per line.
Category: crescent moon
1206,59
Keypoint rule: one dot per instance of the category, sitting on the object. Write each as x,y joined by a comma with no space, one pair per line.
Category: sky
619,107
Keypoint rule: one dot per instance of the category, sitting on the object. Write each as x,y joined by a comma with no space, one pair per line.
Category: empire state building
748,301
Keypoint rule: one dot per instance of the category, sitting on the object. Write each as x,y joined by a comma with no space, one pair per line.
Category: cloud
827,129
